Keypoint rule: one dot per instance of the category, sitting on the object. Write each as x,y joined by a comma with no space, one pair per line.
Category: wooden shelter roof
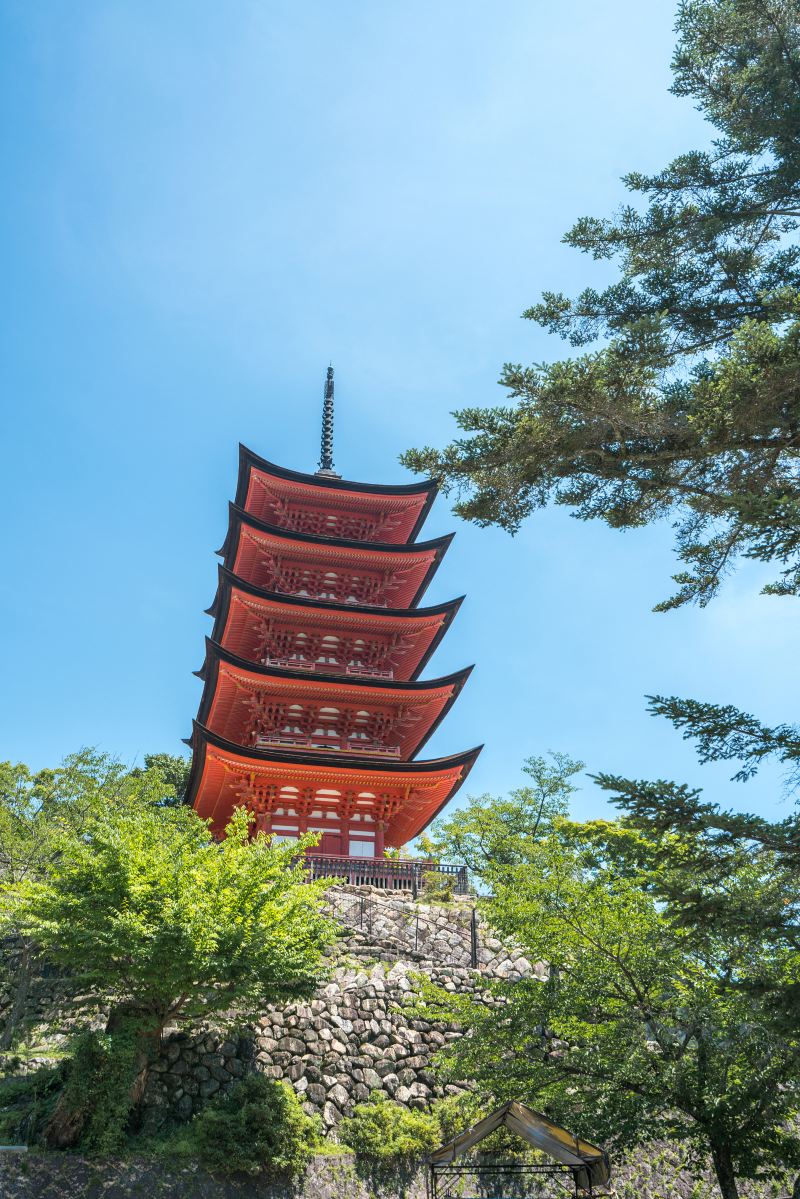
589,1163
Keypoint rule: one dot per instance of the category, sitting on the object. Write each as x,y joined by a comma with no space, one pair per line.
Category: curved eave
215,653
228,582
237,517
248,460
202,737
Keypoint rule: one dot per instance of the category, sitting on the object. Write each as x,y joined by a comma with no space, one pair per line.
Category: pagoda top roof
272,492
440,778
249,460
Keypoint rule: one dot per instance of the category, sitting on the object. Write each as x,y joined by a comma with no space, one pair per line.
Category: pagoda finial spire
326,452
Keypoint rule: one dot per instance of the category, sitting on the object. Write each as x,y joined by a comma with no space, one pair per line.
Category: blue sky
206,203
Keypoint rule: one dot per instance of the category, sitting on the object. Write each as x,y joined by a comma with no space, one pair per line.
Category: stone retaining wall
357,1035
62,1176
656,1174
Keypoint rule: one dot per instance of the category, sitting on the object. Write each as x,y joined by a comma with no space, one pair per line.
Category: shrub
386,1133
438,887
97,1091
258,1126
26,1103
457,1113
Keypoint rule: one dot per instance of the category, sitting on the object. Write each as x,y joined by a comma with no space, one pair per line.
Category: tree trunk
23,985
72,1113
148,1039
65,1125
723,1168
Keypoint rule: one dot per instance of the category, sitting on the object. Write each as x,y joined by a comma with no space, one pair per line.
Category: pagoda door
330,843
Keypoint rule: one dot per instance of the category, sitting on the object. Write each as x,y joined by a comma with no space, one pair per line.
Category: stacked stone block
360,1033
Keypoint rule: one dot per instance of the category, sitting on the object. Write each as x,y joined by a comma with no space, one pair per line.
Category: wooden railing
392,874
338,744
351,668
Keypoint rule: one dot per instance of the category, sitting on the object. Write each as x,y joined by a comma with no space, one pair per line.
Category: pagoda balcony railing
391,874
337,744
290,663
352,668
369,672
371,602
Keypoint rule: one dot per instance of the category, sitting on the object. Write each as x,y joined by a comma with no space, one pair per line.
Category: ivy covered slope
691,405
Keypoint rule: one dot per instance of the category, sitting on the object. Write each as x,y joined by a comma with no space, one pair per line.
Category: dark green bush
438,887
97,1090
89,1091
457,1113
384,1132
259,1126
26,1103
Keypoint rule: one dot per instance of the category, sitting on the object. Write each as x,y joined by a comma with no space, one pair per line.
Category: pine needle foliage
690,408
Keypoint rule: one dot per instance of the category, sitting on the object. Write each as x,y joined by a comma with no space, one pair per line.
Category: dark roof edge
215,650
237,514
469,761
227,580
206,737
248,458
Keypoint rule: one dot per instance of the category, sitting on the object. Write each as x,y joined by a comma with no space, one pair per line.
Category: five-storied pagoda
312,713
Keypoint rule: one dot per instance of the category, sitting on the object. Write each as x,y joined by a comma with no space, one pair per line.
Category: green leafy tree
699,856
498,829
39,814
691,408
148,909
173,770
655,1023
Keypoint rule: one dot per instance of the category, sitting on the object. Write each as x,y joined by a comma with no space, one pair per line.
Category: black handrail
391,873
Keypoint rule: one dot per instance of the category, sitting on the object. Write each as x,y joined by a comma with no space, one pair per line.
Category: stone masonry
357,1035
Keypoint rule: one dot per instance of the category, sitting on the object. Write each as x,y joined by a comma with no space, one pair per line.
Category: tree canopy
491,830
152,911
142,905
174,770
690,408
669,1013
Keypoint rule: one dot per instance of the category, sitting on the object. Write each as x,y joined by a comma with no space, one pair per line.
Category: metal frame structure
444,1179
569,1156
392,874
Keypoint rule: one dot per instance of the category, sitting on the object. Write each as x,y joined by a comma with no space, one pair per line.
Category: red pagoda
312,710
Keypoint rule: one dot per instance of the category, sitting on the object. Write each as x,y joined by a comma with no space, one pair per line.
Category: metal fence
405,928
391,874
